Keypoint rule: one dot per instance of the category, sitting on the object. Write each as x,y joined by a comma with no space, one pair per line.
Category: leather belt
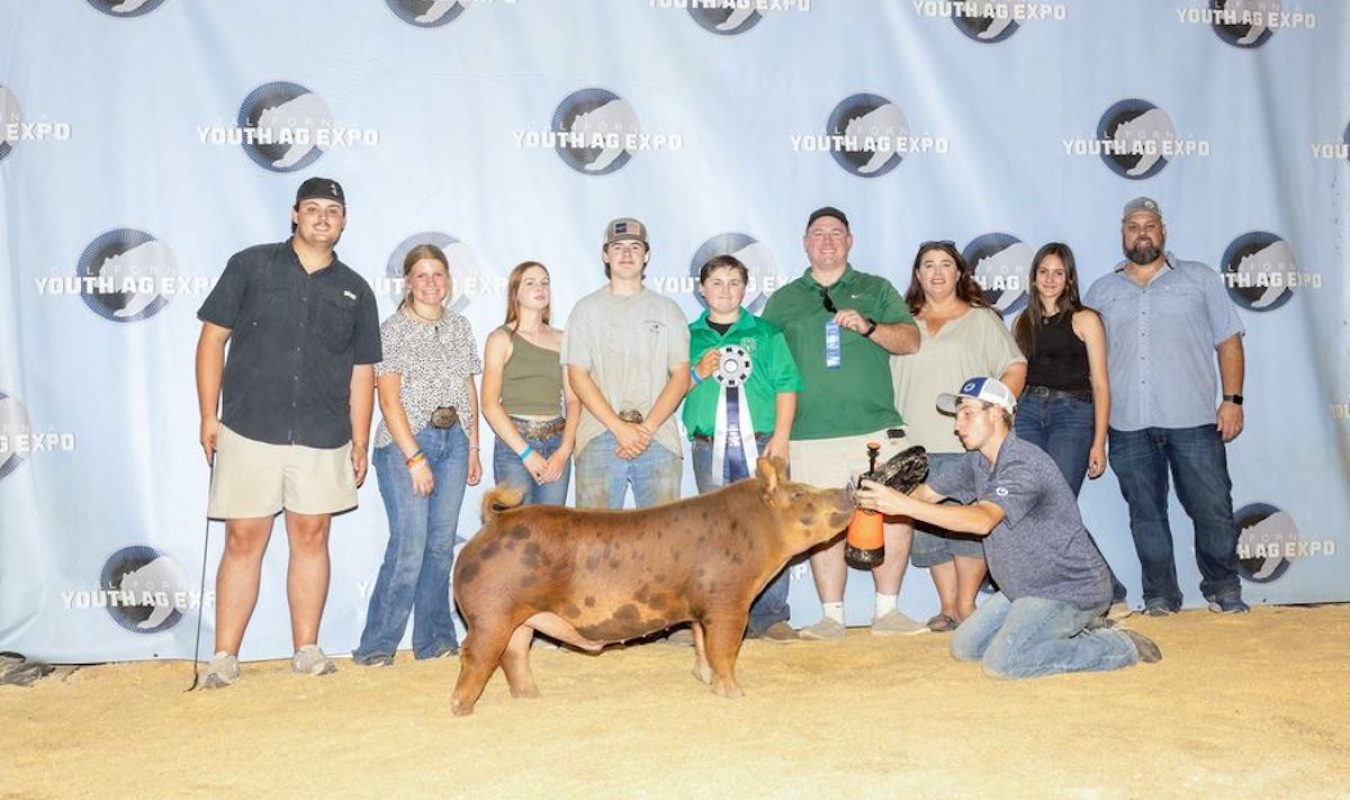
1084,395
707,438
535,430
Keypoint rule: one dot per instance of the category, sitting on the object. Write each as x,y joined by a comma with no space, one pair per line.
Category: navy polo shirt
294,338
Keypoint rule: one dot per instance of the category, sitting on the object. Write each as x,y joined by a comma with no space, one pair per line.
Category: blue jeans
603,478
416,568
1062,426
933,545
509,470
1034,636
771,606
1199,465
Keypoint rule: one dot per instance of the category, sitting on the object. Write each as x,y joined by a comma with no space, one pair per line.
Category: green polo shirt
771,371
856,397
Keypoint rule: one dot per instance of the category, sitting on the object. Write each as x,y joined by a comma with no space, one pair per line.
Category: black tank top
1060,361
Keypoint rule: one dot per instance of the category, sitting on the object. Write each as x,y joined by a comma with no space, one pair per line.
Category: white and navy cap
988,390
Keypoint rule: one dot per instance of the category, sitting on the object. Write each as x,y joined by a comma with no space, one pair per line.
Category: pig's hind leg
482,651
516,663
550,624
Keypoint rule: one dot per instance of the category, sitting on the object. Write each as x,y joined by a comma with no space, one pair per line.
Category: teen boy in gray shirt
1052,580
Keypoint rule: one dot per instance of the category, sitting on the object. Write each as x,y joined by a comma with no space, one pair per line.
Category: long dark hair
1033,318
966,287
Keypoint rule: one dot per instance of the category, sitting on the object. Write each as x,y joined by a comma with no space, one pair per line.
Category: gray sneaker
823,630
222,671
1119,610
310,660
893,623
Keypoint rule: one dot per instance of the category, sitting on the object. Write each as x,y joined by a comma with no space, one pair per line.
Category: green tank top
531,380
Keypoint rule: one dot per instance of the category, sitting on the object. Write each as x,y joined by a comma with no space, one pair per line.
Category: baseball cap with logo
988,390
827,211
321,188
625,229
1142,204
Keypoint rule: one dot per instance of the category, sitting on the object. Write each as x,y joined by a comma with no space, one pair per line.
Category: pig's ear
768,470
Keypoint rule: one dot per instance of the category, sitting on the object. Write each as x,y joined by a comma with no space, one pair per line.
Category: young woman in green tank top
526,398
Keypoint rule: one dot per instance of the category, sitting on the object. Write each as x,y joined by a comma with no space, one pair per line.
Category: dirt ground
1253,706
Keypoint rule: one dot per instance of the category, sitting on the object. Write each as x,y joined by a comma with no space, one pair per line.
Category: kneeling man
1054,582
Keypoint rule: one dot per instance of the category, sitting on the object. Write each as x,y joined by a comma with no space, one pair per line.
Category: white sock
885,604
834,611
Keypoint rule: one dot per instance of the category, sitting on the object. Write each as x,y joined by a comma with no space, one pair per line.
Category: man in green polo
843,326
740,406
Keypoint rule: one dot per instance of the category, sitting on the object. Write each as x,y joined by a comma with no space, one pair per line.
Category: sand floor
1253,706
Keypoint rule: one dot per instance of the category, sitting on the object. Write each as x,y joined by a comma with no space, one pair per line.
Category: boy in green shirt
740,406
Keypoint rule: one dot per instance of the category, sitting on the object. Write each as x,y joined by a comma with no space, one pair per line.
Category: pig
590,578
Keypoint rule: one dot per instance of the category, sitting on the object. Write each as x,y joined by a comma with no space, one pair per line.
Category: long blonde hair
513,288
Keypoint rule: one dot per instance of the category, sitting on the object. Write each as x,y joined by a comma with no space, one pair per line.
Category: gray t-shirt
1040,548
434,362
629,344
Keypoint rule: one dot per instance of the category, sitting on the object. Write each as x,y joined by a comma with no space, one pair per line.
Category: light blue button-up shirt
1160,344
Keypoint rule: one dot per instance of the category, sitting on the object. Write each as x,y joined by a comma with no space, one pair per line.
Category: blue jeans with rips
1062,426
1034,636
771,606
415,575
603,478
509,470
1199,464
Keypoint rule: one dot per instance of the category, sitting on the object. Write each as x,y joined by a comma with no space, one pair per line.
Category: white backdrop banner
145,141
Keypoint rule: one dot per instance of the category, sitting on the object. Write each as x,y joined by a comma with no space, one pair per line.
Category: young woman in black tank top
1067,400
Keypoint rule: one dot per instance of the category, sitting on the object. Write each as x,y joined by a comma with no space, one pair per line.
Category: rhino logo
1260,270
1244,34
285,124
726,22
986,30
874,128
138,265
1263,533
1000,263
605,123
14,428
148,583
10,115
427,13
1137,133
126,8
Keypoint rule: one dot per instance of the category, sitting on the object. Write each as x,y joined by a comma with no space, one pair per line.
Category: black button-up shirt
294,338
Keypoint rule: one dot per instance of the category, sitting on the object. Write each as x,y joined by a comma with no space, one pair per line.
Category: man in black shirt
303,334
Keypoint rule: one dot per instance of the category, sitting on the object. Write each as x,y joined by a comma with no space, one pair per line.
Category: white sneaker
823,630
310,660
222,671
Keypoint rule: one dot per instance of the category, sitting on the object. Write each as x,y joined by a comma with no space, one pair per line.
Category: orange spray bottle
865,546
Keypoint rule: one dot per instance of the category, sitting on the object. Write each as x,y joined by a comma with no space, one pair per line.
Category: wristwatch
1235,399
872,327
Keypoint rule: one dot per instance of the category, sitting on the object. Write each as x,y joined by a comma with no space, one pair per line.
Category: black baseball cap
826,211
323,188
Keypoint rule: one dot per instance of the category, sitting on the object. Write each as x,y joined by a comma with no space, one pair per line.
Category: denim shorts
934,545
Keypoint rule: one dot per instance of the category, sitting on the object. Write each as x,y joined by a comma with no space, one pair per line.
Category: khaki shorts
832,463
254,479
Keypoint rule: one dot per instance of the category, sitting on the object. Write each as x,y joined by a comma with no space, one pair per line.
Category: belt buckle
444,417
895,433
631,415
